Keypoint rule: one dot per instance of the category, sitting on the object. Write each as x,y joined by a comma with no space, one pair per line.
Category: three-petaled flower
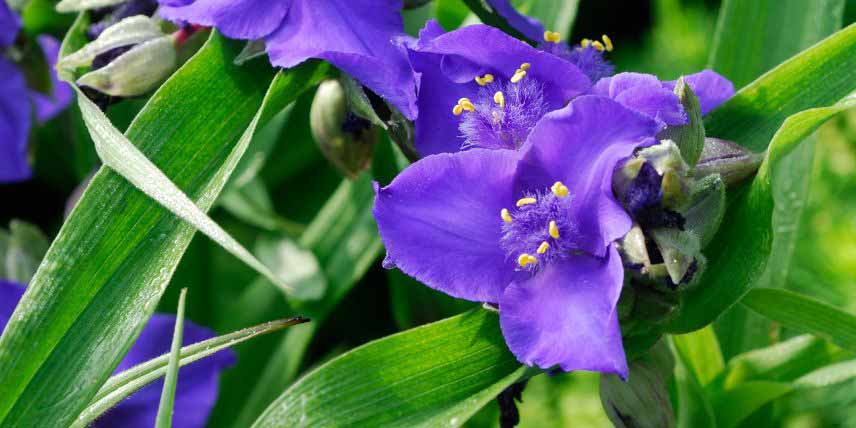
530,229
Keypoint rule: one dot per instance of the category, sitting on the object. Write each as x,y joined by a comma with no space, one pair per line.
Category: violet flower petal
10,25
566,315
10,294
643,93
574,146
711,88
14,124
48,106
237,19
357,36
440,222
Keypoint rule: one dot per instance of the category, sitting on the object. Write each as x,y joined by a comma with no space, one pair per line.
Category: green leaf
122,385
693,408
783,362
112,259
739,251
751,38
118,153
734,405
804,314
343,237
167,399
699,351
437,375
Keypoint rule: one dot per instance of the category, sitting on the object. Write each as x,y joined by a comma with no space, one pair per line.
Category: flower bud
707,208
689,138
642,401
127,32
732,162
136,72
345,139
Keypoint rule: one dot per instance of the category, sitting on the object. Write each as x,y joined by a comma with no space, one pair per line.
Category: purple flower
531,229
479,87
358,36
17,102
197,387
648,95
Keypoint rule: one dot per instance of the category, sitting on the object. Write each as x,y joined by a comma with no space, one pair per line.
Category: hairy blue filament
496,126
529,228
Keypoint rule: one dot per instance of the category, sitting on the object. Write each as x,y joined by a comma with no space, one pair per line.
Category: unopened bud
689,138
66,6
643,400
345,139
731,161
127,32
136,72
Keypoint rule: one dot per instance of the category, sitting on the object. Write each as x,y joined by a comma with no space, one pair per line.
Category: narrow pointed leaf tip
118,153
167,399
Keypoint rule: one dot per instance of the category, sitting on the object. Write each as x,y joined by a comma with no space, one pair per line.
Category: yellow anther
463,104
525,259
506,217
559,189
518,76
554,230
543,247
607,42
598,45
552,37
499,98
484,80
526,201
525,66
585,43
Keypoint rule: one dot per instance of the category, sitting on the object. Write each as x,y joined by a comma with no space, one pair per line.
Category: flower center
589,56
503,113
539,228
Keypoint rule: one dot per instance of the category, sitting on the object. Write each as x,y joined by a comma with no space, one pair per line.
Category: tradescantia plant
543,209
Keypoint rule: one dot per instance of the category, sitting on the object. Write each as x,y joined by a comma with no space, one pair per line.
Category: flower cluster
537,162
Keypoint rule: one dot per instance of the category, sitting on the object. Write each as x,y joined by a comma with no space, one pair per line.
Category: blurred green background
663,37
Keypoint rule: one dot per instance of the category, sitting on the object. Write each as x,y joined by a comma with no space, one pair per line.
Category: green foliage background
294,197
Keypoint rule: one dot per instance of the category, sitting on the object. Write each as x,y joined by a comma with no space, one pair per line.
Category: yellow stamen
484,80
525,259
543,247
506,217
468,106
526,201
554,230
585,43
525,66
499,98
552,36
598,45
607,42
457,110
518,76
559,189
